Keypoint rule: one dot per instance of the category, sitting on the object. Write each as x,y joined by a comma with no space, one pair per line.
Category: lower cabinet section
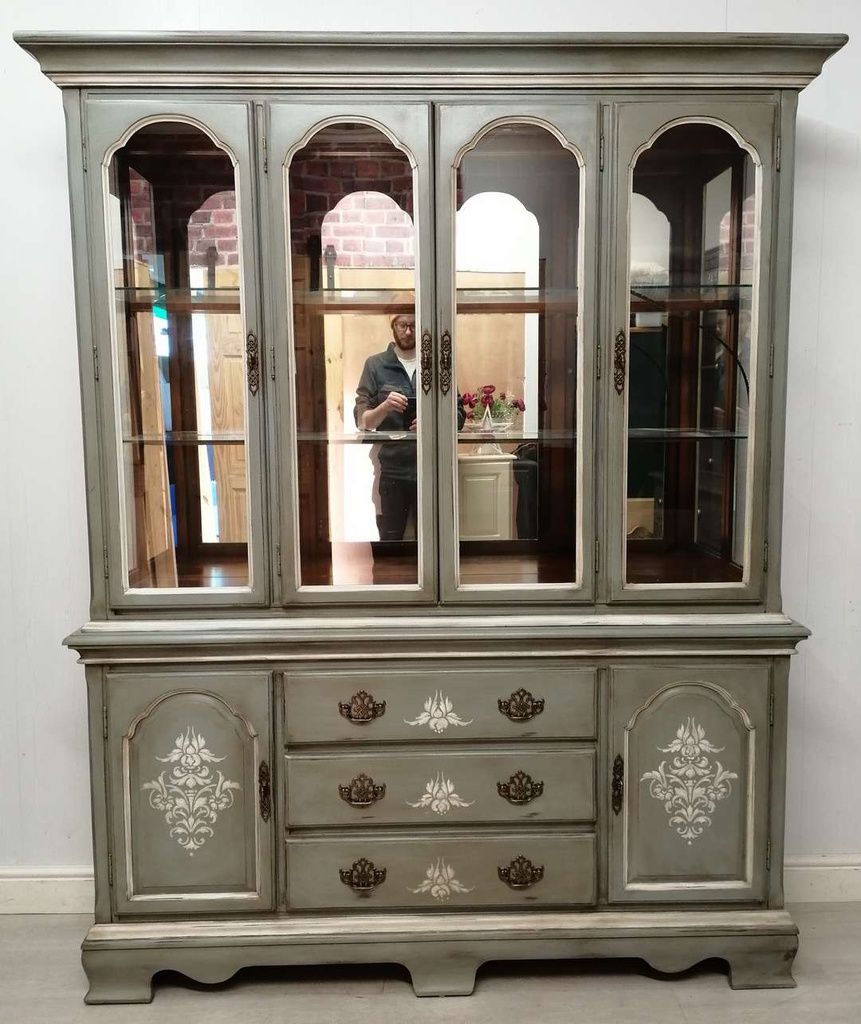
549,808
432,872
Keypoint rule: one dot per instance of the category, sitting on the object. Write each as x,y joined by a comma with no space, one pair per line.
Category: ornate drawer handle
520,789
618,785
520,873
521,706
362,708
362,792
264,790
362,876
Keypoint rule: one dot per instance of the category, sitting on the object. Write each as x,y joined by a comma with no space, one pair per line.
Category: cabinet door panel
350,183
691,821
687,373
175,278
189,758
517,187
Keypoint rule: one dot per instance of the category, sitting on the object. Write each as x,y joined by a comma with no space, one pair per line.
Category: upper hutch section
486,320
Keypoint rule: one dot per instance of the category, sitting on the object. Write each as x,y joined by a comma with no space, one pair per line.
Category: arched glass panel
352,250
517,257
174,254
693,252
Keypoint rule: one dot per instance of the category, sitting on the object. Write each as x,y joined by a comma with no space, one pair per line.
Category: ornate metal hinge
520,873
520,789
445,363
521,706
362,876
362,792
252,362
618,786
426,361
362,708
619,358
264,790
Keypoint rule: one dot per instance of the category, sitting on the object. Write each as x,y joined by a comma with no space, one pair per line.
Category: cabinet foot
452,975
762,970
115,978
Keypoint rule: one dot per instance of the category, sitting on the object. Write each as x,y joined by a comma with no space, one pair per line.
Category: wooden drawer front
433,706
445,787
460,872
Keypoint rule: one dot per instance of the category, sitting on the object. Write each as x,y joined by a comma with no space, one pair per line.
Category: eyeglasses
404,325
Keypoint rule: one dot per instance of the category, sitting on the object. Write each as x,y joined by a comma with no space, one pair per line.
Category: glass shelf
684,434
356,300
180,300
185,437
517,300
657,298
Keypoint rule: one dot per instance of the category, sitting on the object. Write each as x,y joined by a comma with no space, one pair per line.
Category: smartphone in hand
410,413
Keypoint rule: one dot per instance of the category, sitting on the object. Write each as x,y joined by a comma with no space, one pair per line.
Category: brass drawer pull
521,706
264,790
618,785
362,708
520,873
362,792
520,789
362,876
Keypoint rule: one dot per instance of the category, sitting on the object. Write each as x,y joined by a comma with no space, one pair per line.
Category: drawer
456,872
514,700
448,786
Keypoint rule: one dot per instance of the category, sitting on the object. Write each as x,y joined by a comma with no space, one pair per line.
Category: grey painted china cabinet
433,393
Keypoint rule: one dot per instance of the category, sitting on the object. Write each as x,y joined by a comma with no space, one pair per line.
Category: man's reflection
386,401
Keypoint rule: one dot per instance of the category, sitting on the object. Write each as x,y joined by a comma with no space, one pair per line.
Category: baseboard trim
835,879
69,890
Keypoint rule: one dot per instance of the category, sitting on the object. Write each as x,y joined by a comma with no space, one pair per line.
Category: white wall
44,818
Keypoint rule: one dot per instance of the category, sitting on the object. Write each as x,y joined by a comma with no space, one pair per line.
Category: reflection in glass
178,322
352,246
693,248
517,229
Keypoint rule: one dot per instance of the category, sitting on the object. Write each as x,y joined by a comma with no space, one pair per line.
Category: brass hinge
768,855
597,553
105,560
771,708
272,362
95,362
110,869
278,559
601,153
84,155
777,153
598,364
771,360
265,156
104,721
765,557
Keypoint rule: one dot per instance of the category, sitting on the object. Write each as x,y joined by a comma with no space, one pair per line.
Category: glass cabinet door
352,282
177,261
516,198
687,387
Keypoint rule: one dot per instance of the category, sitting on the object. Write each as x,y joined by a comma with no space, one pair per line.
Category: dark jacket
382,374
